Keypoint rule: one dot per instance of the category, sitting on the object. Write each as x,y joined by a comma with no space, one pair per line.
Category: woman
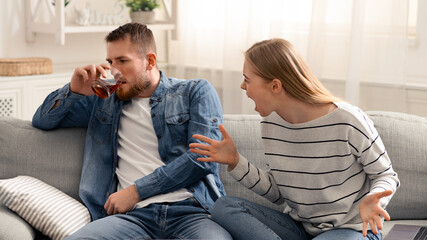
326,160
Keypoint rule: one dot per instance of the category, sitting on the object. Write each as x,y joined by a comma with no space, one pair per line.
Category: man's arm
62,108
67,107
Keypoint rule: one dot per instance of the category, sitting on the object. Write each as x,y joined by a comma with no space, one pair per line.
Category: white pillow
46,208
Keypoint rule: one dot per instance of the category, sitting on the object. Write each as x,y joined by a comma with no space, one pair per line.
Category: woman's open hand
370,211
224,151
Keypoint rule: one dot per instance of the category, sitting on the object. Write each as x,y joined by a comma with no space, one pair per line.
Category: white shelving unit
20,96
57,26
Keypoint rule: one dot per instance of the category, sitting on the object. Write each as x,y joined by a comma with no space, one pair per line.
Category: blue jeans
180,220
247,220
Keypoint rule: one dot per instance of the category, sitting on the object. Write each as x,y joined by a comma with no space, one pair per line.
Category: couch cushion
405,139
245,131
12,227
54,157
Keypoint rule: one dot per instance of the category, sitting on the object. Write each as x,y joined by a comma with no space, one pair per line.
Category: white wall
417,55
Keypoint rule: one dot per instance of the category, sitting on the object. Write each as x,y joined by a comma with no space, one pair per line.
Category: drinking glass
106,86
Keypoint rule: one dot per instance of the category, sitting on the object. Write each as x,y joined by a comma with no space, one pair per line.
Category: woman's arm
376,164
225,152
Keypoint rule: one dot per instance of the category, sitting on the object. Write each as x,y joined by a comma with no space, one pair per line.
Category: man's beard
137,88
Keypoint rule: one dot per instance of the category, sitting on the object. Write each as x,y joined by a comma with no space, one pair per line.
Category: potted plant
141,11
66,2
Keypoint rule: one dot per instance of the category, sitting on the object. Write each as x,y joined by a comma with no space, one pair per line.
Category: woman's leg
247,220
347,234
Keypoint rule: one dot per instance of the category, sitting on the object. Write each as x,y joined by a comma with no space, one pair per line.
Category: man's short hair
139,35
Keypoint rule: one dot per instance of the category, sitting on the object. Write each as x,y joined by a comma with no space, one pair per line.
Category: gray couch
55,157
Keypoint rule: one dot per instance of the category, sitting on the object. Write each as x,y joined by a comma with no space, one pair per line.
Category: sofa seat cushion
13,227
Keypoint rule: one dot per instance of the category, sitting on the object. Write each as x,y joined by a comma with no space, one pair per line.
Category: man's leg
120,226
247,220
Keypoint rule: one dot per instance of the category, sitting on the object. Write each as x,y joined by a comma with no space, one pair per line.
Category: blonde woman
326,160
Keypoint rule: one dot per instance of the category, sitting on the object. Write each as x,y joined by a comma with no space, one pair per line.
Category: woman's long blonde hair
277,59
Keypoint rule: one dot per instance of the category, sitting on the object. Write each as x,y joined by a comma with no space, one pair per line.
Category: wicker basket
25,66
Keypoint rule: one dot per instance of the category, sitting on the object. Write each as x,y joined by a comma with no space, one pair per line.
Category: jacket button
207,208
153,115
159,99
192,190
164,157
214,120
151,101
159,136
180,120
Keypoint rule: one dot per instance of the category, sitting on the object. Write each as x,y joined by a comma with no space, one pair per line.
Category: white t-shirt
138,154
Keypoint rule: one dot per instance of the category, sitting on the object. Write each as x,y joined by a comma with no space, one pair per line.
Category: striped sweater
322,169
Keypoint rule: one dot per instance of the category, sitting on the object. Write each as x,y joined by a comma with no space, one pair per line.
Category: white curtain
356,47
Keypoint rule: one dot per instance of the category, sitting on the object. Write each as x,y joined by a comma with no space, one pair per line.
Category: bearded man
139,179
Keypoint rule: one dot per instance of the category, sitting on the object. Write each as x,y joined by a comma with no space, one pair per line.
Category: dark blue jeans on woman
247,220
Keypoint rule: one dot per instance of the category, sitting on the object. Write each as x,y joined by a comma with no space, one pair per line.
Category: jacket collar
164,84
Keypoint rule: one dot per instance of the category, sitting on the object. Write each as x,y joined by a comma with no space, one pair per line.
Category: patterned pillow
46,208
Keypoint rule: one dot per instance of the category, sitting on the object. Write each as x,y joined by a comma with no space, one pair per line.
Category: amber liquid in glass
105,87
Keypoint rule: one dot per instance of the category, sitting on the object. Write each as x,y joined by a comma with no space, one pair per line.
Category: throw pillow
46,208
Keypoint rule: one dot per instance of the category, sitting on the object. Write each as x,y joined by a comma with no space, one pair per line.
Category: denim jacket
180,108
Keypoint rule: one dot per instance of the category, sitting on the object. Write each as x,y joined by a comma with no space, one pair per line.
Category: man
139,179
